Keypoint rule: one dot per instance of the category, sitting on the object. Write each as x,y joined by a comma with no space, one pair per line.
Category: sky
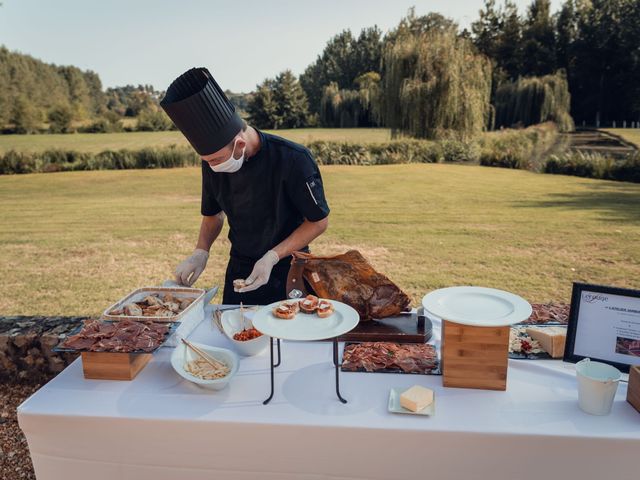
242,42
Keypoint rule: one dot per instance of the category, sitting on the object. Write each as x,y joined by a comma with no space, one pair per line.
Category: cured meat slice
548,312
386,356
124,336
78,342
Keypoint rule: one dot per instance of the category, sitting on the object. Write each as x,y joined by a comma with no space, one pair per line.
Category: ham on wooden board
350,279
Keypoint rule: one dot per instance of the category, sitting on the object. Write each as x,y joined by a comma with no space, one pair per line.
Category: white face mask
230,165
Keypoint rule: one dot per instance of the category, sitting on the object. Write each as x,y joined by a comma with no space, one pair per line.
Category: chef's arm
210,228
301,237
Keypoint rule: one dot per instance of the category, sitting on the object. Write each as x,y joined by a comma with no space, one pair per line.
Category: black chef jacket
264,201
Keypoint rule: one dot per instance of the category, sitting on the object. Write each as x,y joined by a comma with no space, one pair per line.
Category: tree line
65,99
596,42
579,62
34,93
425,78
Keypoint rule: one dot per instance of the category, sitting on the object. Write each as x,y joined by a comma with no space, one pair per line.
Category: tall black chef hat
201,110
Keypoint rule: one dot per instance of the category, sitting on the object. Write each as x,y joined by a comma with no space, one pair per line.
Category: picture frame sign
604,325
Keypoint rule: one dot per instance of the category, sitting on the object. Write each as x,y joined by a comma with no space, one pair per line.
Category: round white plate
477,306
307,326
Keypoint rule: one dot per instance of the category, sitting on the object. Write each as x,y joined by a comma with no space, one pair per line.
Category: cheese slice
552,339
416,398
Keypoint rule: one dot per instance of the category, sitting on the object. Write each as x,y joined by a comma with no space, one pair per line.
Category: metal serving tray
195,309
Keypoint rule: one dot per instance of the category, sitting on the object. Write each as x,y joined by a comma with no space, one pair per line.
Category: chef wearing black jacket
269,189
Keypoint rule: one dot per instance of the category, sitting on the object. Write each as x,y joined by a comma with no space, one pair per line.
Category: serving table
161,427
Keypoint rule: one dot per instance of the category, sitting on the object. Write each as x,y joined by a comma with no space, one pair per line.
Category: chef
268,188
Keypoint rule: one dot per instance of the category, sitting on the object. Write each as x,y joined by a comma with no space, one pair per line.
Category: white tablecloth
161,427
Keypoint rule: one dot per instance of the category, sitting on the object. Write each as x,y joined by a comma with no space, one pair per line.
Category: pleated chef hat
201,110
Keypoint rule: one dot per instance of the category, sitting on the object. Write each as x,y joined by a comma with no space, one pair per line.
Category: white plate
477,306
395,407
307,326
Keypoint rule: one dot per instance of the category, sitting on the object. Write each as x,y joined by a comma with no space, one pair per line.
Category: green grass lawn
72,243
629,134
97,142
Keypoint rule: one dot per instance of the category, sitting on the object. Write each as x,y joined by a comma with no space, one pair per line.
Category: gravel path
15,463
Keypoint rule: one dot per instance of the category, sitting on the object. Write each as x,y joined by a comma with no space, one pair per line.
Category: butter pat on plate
416,398
552,339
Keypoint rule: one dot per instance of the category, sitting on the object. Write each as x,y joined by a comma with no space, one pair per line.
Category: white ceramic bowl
183,354
232,324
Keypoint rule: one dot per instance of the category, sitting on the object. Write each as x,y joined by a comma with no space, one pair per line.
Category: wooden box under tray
113,366
410,327
474,357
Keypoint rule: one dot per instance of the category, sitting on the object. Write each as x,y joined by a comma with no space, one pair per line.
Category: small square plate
395,407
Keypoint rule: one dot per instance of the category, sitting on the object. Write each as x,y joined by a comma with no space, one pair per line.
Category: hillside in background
37,96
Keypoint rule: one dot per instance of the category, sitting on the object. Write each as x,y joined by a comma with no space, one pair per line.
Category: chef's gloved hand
190,269
261,272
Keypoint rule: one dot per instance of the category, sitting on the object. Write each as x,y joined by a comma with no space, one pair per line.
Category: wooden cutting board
411,327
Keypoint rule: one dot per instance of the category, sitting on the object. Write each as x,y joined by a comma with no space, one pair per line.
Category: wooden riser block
474,357
633,390
113,366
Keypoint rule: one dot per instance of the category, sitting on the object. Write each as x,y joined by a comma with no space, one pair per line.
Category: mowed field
97,142
72,243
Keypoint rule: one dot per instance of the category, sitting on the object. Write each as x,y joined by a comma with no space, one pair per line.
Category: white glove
190,269
261,272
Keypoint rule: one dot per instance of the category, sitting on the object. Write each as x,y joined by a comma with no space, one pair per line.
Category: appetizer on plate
286,310
309,304
325,309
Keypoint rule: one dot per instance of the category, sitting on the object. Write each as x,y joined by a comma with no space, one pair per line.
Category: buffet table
161,427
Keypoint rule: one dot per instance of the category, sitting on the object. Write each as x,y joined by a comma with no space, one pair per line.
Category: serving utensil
205,356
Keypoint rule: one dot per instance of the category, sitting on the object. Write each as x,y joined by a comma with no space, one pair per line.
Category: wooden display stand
113,366
633,390
474,357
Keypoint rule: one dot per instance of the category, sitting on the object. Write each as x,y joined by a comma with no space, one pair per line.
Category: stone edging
26,347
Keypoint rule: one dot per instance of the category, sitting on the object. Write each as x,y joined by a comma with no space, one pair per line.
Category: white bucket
597,385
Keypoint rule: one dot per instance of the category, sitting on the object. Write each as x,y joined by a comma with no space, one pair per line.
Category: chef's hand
190,269
261,272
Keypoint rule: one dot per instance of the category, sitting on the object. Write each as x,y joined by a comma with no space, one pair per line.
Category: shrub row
394,152
326,153
595,165
62,160
526,149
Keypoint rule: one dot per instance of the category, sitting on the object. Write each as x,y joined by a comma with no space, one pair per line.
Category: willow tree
434,83
532,100
349,107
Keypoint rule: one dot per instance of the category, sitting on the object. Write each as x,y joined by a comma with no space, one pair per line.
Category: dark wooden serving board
411,327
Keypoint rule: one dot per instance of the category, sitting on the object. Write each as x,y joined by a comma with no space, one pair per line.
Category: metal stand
337,365
273,366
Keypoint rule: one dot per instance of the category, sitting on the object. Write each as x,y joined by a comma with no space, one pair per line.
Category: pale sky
241,42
